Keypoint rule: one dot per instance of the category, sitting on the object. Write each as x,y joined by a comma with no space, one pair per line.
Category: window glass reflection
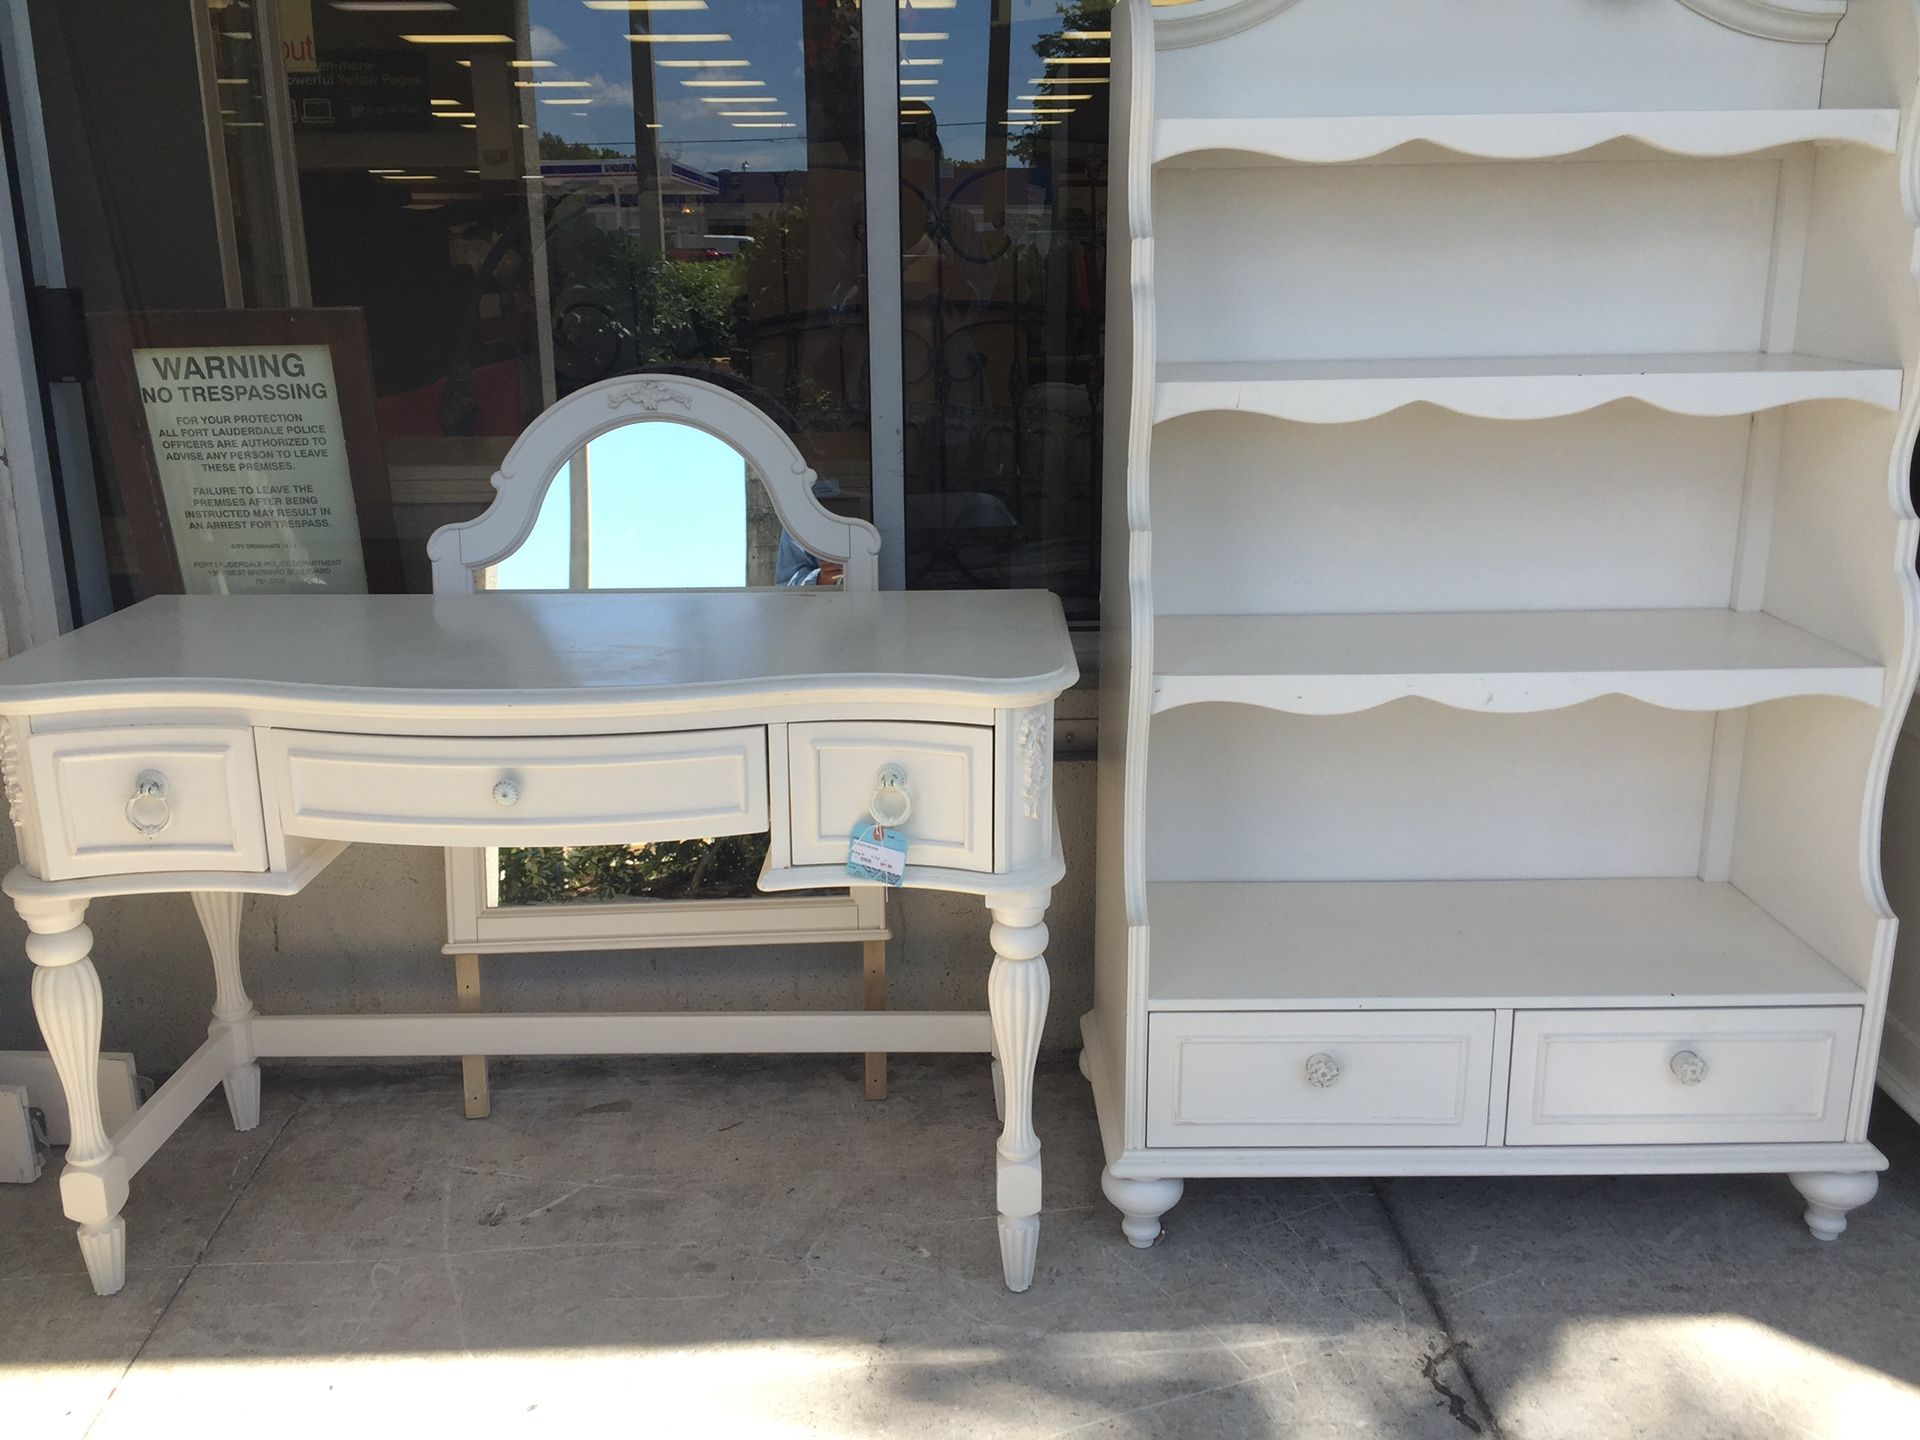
1003,158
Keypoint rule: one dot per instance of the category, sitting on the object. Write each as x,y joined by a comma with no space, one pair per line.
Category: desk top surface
513,649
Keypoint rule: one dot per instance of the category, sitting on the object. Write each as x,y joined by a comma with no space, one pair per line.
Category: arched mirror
650,483
659,505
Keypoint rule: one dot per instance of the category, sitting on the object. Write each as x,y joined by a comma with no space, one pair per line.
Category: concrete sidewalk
746,1247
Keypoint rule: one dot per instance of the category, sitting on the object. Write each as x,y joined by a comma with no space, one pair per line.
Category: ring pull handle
1322,1070
506,793
147,808
1688,1068
891,804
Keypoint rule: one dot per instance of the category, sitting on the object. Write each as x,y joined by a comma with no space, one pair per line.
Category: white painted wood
1329,57
1612,789
1017,990
1531,564
1336,664
1319,1078
1545,135
438,790
835,771
461,552
1476,944
363,743
1505,388
1422,510
206,814
1831,1195
1638,1077
550,655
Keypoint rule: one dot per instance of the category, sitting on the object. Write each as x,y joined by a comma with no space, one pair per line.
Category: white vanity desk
231,746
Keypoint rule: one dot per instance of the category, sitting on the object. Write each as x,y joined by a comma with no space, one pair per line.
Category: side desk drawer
835,770
1651,1077
542,790
1378,1077
134,799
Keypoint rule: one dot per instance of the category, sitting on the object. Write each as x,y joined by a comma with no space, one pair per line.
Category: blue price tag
877,855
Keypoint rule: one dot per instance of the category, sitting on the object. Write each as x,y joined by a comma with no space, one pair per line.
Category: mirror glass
657,505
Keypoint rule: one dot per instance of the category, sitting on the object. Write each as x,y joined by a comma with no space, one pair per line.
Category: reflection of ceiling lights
446,104
922,60
1086,34
1068,80
1039,110
453,115
384,172
701,64
688,39
770,125
564,99
923,35
458,39
645,4
409,177
750,114
390,7
1077,60
1058,96
928,4
738,99
724,84
552,84
516,64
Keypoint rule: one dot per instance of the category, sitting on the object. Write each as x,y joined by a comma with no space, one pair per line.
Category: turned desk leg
219,912
1017,990
67,1003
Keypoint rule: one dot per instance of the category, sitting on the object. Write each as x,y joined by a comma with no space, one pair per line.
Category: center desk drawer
1375,1077
541,790
1650,1077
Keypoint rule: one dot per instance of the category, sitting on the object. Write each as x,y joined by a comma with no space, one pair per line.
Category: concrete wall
367,935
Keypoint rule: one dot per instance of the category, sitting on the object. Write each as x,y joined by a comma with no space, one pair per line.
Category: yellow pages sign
253,466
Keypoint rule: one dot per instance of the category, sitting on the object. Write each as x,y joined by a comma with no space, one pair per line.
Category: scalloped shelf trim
1337,392
1500,662
1801,22
1337,139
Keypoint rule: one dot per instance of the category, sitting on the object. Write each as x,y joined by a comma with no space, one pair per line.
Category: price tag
877,854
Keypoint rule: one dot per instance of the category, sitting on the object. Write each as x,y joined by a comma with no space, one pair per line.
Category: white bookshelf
1509,567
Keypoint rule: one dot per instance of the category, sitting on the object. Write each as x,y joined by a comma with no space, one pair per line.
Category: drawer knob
1322,1070
891,804
506,792
147,808
1688,1068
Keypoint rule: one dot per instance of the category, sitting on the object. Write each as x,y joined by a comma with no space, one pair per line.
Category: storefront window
1003,169
521,197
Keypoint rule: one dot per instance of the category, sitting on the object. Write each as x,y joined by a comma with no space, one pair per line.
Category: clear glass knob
1688,1068
1322,1070
891,804
147,809
506,792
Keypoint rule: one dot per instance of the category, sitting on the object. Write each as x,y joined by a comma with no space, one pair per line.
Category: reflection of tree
1031,146
621,305
664,870
552,147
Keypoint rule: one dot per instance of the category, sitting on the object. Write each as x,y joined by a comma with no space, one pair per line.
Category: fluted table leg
67,1003
219,912
1017,989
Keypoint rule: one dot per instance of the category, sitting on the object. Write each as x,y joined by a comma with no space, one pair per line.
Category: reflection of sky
591,45
667,509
